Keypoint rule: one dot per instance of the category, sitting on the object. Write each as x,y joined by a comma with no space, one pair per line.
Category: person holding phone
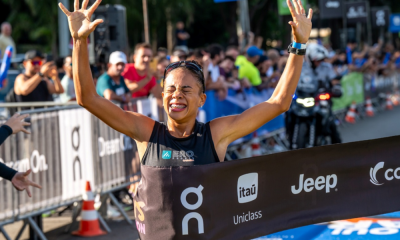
19,179
39,81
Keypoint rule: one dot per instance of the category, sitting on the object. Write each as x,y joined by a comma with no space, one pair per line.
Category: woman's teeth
177,106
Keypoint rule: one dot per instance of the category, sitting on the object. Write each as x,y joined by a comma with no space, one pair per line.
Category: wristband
299,45
41,74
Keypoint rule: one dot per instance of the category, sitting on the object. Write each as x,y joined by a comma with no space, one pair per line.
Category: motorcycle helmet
316,52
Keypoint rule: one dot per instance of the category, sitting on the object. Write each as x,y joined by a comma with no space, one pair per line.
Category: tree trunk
170,36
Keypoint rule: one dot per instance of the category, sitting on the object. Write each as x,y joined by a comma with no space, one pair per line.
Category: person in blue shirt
19,179
111,84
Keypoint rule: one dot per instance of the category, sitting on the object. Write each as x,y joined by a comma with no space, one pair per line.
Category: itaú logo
390,173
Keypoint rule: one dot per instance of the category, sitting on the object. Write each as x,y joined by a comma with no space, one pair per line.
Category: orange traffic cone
369,109
389,104
89,226
351,114
255,146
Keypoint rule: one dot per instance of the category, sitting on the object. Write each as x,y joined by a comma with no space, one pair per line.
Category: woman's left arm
227,129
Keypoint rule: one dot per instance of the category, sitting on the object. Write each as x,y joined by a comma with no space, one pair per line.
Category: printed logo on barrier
373,171
328,182
139,216
166,154
390,173
247,187
195,215
37,162
110,147
368,227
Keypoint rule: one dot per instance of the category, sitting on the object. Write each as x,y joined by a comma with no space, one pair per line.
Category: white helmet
316,52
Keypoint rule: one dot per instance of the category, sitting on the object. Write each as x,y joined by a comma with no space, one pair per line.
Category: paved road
384,124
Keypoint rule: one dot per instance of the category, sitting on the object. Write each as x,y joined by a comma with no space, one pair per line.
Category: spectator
67,82
19,180
215,81
6,39
111,84
216,56
35,85
247,69
139,77
227,67
232,51
201,57
181,35
162,64
161,53
178,55
351,47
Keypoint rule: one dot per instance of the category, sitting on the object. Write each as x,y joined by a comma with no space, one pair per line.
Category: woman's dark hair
194,68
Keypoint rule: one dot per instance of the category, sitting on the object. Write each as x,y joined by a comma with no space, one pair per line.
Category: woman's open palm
301,24
79,20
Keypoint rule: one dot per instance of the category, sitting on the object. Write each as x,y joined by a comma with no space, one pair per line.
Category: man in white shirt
215,81
67,82
6,39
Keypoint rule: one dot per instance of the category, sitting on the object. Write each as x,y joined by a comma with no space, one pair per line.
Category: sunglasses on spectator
36,63
191,65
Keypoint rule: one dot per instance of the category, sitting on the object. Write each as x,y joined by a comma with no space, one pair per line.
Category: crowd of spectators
226,68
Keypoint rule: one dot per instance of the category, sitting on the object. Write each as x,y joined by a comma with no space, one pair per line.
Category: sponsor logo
328,182
390,173
365,227
186,156
166,154
245,217
195,215
76,140
36,162
138,208
247,187
110,147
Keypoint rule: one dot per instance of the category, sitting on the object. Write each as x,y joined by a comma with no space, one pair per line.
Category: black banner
249,198
380,17
331,9
356,12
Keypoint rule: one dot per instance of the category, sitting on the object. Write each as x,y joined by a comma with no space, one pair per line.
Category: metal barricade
66,147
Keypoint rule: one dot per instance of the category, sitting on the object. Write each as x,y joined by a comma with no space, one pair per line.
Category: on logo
197,216
247,187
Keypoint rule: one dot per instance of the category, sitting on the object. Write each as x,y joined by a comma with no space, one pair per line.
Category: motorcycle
310,115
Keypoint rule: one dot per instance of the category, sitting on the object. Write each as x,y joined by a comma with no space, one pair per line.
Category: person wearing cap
111,84
139,77
178,55
247,67
39,81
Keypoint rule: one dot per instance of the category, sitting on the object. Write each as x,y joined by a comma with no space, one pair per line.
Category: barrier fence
68,146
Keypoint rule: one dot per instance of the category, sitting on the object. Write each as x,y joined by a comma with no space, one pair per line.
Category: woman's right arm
135,125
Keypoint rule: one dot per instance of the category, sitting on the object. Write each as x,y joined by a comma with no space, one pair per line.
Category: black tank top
164,150
39,94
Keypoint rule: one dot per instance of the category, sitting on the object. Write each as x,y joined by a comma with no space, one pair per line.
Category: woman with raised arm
182,140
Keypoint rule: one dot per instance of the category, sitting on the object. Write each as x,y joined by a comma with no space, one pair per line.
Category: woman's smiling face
182,95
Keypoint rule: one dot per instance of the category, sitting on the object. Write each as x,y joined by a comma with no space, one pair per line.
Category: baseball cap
254,51
31,54
117,57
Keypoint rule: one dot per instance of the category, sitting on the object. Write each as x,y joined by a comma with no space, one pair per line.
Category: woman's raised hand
79,20
301,24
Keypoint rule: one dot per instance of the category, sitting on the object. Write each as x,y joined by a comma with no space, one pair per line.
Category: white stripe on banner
89,215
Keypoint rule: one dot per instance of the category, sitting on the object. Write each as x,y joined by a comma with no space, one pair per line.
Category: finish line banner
249,198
